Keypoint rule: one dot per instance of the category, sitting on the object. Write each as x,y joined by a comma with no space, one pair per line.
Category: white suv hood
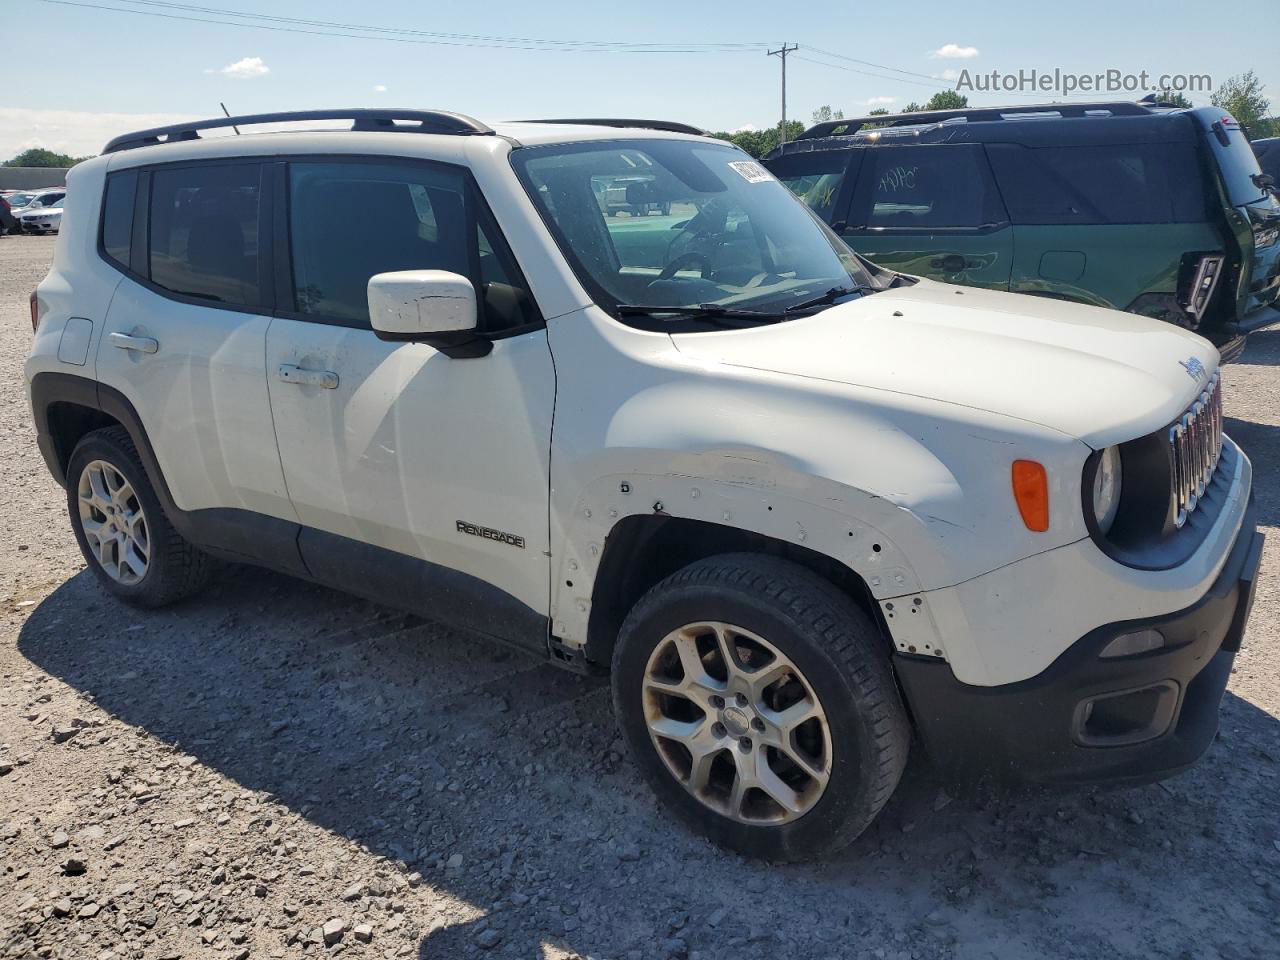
1098,375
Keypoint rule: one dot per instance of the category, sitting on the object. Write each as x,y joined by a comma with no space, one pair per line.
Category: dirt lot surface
276,770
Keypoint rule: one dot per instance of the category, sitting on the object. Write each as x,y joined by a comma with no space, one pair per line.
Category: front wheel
758,701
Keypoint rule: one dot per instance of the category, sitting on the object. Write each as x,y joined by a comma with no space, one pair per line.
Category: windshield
682,224
1237,162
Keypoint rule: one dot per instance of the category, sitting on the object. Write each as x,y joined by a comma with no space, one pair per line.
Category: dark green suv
1136,206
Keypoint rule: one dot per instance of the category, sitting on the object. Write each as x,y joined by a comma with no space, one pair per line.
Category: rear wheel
122,530
759,703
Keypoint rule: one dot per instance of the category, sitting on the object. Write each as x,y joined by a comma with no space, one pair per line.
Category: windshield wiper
700,311
831,296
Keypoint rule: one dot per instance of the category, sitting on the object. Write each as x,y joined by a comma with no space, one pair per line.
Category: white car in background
41,219
24,200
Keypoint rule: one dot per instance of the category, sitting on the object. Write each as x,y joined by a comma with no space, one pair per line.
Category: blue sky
107,72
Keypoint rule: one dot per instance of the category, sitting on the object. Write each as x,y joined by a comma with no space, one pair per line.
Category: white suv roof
428,122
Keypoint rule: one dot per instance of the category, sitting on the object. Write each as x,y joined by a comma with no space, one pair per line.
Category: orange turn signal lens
1031,491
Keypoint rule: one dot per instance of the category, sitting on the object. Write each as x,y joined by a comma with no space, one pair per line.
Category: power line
366,28
942,82
186,12
835,66
868,63
596,45
426,38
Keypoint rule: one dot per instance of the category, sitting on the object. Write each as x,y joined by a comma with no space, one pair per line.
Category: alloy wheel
736,723
114,524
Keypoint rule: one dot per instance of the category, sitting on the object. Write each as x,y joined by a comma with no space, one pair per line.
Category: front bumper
1087,719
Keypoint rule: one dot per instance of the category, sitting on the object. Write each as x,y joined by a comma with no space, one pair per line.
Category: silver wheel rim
736,723
114,524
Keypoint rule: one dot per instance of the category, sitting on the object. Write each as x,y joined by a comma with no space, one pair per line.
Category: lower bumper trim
1038,730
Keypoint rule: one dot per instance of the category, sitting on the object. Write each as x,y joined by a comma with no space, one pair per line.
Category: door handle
126,341
290,373
951,263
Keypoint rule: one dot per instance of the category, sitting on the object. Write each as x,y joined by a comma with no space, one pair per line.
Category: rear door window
926,187
204,232
1099,184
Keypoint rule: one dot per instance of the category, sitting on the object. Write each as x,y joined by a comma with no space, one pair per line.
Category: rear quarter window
1100,184
117,216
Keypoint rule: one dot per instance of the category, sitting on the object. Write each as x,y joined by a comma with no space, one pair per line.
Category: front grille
1195,442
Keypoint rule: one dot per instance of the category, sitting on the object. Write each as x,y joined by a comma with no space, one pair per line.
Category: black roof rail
670,126
427,121
1121,108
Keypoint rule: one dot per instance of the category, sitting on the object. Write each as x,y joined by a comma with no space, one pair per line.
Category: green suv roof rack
1122,108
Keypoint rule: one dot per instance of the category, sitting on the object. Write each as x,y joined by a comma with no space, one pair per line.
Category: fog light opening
1121,719
1131,644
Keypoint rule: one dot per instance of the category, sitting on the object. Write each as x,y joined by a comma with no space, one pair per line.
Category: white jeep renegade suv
802,508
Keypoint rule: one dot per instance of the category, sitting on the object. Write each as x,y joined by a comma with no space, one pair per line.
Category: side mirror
435,307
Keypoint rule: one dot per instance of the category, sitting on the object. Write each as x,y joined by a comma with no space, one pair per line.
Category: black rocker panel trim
437,592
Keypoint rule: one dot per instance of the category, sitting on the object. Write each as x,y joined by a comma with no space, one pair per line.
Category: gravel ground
277,770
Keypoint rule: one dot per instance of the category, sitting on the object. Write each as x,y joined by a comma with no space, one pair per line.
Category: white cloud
246,68
880,101
953,51
71,131
745,128
379,88
948,74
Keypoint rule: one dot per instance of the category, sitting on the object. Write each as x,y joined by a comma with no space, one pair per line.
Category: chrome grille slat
1195,442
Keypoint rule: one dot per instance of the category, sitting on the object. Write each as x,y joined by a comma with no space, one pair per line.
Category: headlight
1106,489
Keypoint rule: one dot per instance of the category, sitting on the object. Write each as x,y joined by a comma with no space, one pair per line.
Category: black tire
175,568
843,657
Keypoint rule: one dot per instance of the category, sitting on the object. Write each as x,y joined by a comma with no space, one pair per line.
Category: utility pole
781,53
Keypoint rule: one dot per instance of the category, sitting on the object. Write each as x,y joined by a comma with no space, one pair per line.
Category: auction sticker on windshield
751,171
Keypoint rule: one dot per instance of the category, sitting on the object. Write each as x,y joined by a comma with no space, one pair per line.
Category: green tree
1173,98
1242,97
759,142
824,114
877,112
947,100
942,100
40,157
